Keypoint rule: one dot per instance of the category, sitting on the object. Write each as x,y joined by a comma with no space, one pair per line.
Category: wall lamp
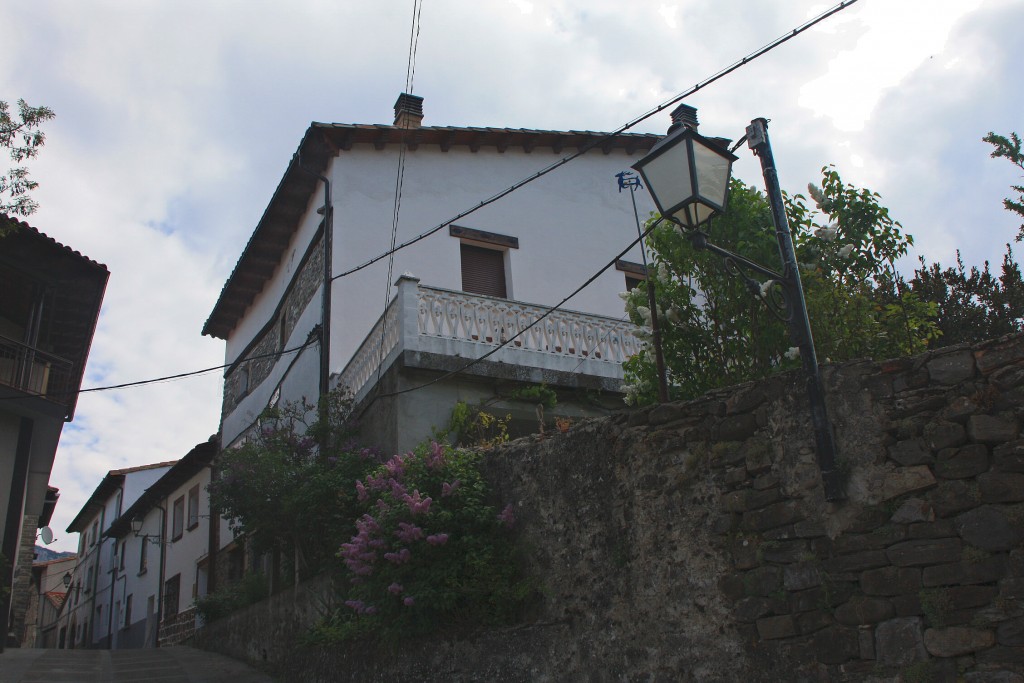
687,175
137,527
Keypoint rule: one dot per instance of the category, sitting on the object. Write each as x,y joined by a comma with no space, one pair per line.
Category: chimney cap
408,110
685,115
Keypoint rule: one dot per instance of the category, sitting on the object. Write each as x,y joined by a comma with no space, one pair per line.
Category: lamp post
688,178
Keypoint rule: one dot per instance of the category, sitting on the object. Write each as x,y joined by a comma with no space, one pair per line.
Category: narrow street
163,665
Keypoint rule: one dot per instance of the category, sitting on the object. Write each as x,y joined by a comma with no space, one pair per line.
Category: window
483,271
143,553
636,273
178,518
95,532
128,611
88,580
122,548
171,589
193,507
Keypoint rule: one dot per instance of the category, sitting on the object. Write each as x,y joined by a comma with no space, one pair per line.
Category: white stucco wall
184,554
569,224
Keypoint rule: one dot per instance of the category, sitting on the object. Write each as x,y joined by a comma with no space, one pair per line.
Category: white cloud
175,122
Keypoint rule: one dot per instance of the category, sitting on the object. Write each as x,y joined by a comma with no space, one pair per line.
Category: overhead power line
601,140
512,188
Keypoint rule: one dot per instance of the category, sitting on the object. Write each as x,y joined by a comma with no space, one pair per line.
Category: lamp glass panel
712,174
668,178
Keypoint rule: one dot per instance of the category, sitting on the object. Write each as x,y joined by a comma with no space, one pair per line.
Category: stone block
986,570
784,552
1001,487
763,581
1001,656
922,552
815,620
962,463
757,456
864,610
773,628
775,515
759,499
906,480
663,413
809,529
965,597
765,481
959,409
940,435
1007,378
866,638
900,641
801,576
836,644
998,354
907,605
856,562
889,581
1008,457
807,600
987,528
732,586
1011,632
736,427
735,475
951,497
993,677
913,510
951,368
911,452
868,519
749,610
879,538
734,501
1012,588
955,641
745,553
991,429
940,528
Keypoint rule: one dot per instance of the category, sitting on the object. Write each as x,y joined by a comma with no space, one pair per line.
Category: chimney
408,111
684,115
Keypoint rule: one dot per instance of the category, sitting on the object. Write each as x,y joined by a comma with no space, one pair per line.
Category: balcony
430,320
36,372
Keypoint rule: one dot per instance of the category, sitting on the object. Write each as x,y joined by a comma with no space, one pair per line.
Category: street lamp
136,525
688,178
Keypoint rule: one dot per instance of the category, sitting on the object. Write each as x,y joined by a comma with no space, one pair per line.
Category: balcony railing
447,322
33,371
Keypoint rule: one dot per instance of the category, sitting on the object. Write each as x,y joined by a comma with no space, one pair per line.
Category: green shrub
248,591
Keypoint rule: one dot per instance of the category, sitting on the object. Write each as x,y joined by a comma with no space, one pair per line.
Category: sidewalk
177,664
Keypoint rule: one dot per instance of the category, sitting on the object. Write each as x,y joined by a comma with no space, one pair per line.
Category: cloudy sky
175,121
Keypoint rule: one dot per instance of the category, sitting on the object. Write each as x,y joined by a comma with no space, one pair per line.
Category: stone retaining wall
692,541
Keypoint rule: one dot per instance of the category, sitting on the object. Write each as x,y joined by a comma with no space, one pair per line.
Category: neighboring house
46,597
165,541
475,283
50,298
87,613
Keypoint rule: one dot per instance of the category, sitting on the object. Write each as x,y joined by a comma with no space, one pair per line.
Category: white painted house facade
87,615
474,283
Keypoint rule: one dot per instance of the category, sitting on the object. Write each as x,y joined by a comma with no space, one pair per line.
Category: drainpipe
163,567
325,314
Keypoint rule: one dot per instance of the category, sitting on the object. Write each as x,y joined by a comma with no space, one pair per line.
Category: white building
163,545
476,282
87,613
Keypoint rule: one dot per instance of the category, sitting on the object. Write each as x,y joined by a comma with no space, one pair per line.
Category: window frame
178,518
192,509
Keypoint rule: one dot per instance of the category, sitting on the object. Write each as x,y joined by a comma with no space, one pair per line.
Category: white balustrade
487,321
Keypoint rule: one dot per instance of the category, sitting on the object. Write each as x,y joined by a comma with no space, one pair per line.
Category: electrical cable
167,378
503,193
608,136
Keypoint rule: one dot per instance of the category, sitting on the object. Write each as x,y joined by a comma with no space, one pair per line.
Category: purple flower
397,489
407,533
409,601
417,504
395,466
436,458
356,605
507,516
361,493
401,557
332,460
448,489
437,539
395,588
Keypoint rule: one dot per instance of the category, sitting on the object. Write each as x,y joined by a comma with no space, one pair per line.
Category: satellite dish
46,535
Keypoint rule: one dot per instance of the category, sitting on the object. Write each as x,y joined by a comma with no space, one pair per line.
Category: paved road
177,664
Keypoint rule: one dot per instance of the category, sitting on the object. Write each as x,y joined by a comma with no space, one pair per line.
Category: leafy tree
973,305
716,327
1009,149
23,136
289,486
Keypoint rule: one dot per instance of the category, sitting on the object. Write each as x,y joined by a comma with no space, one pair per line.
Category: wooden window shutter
483,271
